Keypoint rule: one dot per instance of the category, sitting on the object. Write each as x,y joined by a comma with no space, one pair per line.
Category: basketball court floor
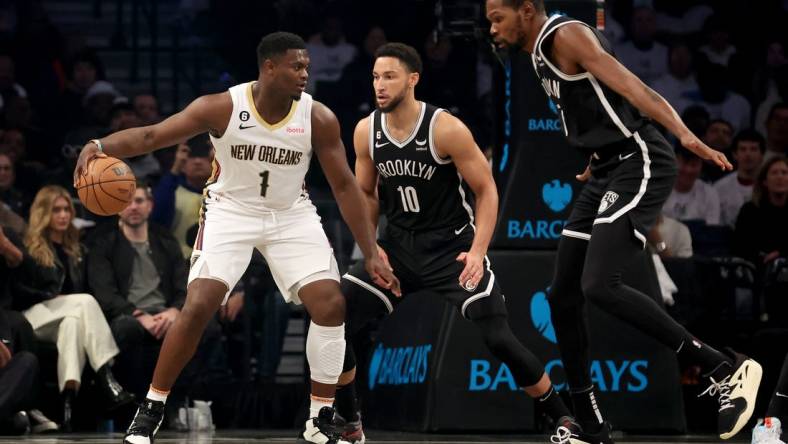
284,436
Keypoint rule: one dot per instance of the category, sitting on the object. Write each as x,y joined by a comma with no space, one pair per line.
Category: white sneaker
40,423
321,430
767,431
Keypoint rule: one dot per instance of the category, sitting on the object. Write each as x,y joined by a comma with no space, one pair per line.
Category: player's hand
384,257
89,152
382,275
473,272
692,143
585,175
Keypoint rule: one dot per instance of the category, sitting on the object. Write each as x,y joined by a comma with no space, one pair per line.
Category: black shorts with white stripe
423,261
632,183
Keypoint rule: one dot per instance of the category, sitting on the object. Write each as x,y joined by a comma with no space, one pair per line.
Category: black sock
713,363
778,406
587,412
552,404
346,402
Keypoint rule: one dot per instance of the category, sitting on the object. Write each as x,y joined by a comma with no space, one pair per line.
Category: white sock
316,403
157,395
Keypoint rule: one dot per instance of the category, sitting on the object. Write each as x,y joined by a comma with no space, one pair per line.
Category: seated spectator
735,189
18,374
9,194
178,195
82,72
329,53
718,48
679,81
761,235
718,135
777,132
697,119
670,238
138,274
146,106
27,173
50,292
692,199
642,54
715,95
773,81
8,84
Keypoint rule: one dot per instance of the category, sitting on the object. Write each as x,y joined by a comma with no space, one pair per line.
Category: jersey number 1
264,183
410,200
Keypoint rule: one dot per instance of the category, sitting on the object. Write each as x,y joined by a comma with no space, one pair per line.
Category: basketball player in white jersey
264,133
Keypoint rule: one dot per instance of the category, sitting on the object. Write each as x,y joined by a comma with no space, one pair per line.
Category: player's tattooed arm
577,48
454,140
209,113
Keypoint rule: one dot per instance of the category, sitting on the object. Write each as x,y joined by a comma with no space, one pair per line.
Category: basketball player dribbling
606,112
264,134
421,167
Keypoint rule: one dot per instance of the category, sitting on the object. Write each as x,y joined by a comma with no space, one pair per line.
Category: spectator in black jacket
138,274
50,290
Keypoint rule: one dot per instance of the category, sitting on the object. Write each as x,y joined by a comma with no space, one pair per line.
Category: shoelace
562,436
721,389
143,422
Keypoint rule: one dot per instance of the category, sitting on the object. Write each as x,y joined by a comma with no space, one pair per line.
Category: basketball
107,186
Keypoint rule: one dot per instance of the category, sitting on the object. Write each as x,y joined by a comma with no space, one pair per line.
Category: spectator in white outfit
691,198
679,81
51,293
644,56
735,189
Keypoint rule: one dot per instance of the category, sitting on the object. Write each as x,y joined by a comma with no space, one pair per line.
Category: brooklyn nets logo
607,201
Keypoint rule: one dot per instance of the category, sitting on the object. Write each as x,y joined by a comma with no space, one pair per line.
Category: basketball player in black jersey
422,168
607,112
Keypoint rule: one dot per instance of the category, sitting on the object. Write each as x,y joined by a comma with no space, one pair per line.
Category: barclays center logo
399,365
546,124
557,196
541,316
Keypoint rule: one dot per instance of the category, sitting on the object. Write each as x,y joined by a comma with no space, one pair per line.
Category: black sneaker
736,394
321,429
570,432
40,423
146,423
352,431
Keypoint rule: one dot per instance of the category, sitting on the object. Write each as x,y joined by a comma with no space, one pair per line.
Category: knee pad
325,352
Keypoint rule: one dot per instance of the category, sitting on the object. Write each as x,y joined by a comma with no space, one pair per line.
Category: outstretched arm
576,44
454,139
204,114
351,200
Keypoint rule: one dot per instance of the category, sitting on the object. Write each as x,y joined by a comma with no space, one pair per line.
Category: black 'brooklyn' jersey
595,118
418,190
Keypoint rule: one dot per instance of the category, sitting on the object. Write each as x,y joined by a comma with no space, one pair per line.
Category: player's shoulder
448,124
322,114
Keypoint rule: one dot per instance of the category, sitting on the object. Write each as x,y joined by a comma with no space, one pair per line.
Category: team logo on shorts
469,285
607,201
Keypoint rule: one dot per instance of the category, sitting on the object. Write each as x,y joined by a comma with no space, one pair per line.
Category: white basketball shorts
292,241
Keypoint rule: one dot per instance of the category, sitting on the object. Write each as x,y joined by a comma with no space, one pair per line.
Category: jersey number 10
410,200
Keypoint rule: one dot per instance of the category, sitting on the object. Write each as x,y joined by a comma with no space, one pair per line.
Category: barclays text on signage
534,229
399,365
607,375
546,124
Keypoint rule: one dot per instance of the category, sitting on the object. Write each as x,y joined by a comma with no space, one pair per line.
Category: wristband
97,142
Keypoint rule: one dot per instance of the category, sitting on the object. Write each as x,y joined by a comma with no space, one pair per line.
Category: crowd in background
96,295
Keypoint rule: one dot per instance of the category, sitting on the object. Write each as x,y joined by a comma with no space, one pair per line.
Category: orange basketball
107,186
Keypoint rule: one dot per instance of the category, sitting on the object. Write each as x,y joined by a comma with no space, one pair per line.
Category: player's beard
393,103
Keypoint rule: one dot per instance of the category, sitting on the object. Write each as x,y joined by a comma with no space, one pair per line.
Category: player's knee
197,309
564,296
497,334
331,310
598,286
325,351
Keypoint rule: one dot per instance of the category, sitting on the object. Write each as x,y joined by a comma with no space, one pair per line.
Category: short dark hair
777,106
749,135
199,145
538,4
722,121
145,186
404,53
277,43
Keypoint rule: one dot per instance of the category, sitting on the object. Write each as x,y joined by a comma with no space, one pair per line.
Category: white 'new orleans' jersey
258,164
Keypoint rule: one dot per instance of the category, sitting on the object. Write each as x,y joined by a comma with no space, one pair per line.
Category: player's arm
366,173
577,44
330,152
206,113
454,139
